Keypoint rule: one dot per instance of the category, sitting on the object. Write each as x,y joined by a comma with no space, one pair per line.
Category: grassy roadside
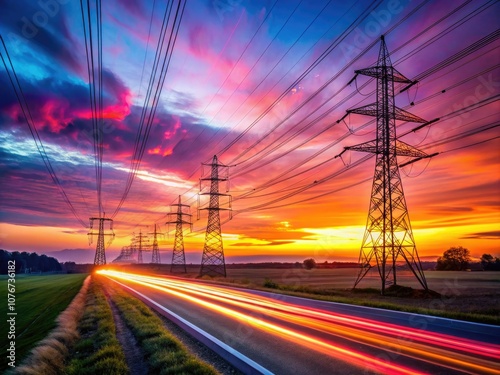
371,297
39,301
162,351
98,351
50,355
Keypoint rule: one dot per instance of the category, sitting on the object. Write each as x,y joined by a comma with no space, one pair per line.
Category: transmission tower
388,233
155,257
100,253
141,245
178,256
126,255
212,261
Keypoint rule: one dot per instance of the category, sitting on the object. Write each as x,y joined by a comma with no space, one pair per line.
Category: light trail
439,349
227,295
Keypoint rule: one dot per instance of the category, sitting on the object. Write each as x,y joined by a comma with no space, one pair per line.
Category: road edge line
234,357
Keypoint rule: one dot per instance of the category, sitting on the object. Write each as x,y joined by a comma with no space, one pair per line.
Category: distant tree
28,261
490,263
454,259
17,257
4,260
309,264
69,266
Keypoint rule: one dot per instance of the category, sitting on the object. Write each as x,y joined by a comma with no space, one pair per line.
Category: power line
154,90
33,130
94,70
445,63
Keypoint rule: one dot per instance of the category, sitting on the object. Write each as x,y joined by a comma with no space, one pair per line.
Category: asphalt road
290,335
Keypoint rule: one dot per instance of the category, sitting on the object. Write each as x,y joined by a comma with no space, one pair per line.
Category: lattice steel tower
155,257
100,251
212,262
141,245
178,256
388,233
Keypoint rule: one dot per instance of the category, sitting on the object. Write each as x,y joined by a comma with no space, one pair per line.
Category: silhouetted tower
155,257
178,256
388,231
100,251
212,261
140,243
126,255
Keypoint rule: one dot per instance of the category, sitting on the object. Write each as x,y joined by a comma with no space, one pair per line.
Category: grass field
39,300
343,278
473,296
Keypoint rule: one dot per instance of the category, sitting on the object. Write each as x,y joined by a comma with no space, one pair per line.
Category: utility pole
155,257
212,261
178,256
388,233
100,253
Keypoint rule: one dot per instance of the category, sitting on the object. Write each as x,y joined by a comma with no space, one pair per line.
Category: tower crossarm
370,147
399,114
178,222
369,110
379,72
218,194
215,209
215,165
213,179
402,149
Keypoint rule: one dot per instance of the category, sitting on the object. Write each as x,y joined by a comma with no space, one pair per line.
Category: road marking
234,357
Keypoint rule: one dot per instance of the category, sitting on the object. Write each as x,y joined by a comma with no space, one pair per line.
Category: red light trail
308,327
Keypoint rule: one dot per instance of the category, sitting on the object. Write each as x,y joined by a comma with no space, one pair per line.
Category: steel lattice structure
155,257
388,233
141,244
213,262
178,256
126,255
100,251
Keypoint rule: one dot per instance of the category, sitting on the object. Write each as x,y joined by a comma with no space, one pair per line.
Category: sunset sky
261,84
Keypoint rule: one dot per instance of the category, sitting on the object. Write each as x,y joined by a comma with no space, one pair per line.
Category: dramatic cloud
494,235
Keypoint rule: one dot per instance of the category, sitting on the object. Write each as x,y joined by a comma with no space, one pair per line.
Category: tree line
458,259
454,259
28,262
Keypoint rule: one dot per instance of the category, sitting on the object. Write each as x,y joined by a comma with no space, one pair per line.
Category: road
291,335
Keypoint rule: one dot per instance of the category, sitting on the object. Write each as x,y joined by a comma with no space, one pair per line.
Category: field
462,295
39,300
343,278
